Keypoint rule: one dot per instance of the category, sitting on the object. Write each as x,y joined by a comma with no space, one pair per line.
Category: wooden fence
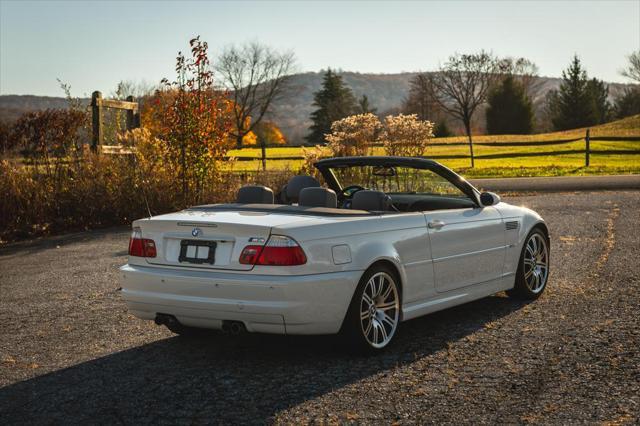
98,104
587,151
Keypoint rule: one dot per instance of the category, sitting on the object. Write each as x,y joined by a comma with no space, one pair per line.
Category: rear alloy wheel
533,268
374,314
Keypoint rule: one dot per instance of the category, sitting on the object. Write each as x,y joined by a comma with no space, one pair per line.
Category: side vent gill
511,225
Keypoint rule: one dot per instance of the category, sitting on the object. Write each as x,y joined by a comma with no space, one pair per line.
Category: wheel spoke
367,299
386,318
386,306
375,331
380,285
364,315
386,294
368,329
383,332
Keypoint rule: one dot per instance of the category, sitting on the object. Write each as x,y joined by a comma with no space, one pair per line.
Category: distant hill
385,92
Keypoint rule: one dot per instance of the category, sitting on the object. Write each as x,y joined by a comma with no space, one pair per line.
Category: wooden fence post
587,151
96,110
133,115
263,148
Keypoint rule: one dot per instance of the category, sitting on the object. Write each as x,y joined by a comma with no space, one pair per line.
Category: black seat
318,197
297,184
254,194
369,200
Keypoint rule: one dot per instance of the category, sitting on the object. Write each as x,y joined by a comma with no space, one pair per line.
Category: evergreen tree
598,93
572,105
441,130
628,103
333,101
510,110
365,107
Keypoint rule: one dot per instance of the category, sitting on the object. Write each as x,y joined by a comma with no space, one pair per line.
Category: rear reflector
279,251
141,247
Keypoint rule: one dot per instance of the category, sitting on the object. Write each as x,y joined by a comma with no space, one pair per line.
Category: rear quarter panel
401,239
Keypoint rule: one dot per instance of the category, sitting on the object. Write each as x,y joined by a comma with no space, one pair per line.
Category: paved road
559,183
70,352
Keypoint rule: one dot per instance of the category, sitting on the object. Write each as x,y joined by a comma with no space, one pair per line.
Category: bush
353,135
406,136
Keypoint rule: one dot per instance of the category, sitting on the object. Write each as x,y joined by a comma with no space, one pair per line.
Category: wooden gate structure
98,103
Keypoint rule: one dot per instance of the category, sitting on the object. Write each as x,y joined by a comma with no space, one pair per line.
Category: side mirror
489,199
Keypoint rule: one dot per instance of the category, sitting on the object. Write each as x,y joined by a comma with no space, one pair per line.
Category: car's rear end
228,270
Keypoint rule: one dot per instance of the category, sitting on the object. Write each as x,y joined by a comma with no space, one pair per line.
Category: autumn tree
255,76
461,85
192,122
268,133
333,102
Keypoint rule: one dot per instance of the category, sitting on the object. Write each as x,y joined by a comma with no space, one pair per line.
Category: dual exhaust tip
228,327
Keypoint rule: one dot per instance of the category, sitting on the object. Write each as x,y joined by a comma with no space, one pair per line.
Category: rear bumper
303,304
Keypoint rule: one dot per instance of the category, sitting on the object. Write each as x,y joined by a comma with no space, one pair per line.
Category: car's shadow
222,379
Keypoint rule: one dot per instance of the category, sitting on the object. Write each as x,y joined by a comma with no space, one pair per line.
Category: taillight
278,251
141,247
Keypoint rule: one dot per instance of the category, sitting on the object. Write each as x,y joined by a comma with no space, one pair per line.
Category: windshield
396,180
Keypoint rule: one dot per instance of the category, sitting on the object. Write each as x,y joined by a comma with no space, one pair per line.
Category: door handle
435,224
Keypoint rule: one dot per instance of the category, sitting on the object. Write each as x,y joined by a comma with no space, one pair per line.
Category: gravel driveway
70,352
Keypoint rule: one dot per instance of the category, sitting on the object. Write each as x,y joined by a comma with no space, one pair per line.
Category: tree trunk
467,127
264,153
239,138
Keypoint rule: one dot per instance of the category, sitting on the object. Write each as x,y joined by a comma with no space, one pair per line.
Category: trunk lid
230,230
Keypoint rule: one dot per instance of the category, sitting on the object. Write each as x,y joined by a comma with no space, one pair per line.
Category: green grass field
553,164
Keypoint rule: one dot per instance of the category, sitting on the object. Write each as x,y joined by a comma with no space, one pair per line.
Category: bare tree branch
256,75
632,70
461,85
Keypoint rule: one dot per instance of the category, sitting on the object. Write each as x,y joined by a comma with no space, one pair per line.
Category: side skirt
457,297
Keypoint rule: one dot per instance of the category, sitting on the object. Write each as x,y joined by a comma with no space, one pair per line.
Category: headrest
318,197
371,201
297,183
255,194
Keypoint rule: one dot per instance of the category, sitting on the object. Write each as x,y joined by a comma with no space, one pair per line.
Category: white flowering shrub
353,135
405,135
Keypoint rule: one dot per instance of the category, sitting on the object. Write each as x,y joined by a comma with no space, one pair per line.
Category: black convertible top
325,166
413,162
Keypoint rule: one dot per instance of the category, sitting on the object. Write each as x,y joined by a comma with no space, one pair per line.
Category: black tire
526,273
380,311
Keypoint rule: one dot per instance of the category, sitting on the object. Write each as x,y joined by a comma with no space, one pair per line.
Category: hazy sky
92,45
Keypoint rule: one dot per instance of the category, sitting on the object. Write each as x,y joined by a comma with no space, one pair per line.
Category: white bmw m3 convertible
387,240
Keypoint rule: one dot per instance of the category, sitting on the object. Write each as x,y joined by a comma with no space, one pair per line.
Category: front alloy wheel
374,313
533,269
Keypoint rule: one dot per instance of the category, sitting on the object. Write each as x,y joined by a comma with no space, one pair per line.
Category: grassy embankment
504,148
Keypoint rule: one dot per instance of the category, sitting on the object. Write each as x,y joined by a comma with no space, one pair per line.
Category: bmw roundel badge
195,232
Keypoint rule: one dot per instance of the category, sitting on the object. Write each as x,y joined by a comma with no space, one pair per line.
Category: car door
467,246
